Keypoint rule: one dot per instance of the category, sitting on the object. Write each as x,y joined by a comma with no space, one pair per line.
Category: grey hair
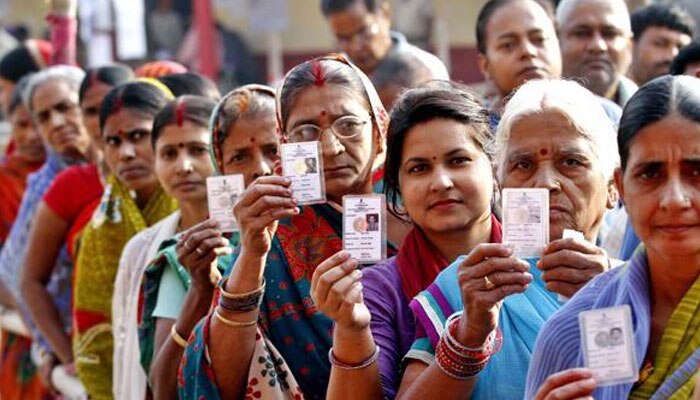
565,8
73,76
574,102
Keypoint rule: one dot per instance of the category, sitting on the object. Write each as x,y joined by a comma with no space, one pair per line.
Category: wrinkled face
26,137
57,114
90,107
361,34
446,181
546,151
521,44
661,187
596,45
6,90
347,162
128,152
183,163
654,52
251,147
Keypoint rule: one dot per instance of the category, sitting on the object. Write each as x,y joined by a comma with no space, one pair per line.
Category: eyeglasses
361,37
346,127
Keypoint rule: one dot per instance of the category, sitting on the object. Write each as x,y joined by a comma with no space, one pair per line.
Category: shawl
13,180
420,262
115,221
130,381
559,347
520,319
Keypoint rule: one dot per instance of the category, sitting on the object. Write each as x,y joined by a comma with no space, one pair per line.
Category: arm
64,30
6,298
167,353
45,241
486,276
337,291
264,202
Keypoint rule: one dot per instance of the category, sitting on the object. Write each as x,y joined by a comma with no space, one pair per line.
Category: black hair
490,8
653,102
437,99
688,54
195,109
318,72
399,69
17,63
192,84
112,75
668,16
143,97
18,93
329,7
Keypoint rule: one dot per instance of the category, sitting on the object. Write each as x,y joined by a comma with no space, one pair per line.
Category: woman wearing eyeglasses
266,338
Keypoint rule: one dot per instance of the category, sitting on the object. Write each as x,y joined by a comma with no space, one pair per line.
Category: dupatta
115,221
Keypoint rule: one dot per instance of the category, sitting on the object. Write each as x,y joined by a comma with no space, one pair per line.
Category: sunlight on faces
521,45
546,151
251,147
25,136
57,115
661,186
446,181
128,151
347,162
183,163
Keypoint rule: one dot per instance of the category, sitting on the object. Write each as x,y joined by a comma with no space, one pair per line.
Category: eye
90,111
572,162
137,135
418,168
459,160
507,46
169,153
63,107
113,141
271,152
199,150
610,34
42,117
581,33
238,158
522,165
650,173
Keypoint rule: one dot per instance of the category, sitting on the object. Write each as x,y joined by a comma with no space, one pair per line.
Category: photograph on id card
364,227
525,220
223,193
608,345
302,163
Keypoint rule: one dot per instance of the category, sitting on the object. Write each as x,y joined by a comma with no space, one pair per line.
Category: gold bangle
234,324
236,296
177,338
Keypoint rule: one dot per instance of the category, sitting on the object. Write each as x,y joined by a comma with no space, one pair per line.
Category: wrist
469,335
353,346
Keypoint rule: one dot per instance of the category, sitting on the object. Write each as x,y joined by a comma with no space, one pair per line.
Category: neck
192,213
668,282
453,244
611,94
144,195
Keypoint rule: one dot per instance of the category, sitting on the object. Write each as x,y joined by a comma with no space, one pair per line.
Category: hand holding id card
607,342
302,163
223,193
364,227
526,220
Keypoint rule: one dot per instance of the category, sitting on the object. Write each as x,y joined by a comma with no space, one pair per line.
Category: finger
567,275
487,250
582,246
574,259
491,266
208,224
196,239
506,278
564,288
337,292
268,185
490,298
574,390
328,279
330,262
265,203
207,246
265,221
562,378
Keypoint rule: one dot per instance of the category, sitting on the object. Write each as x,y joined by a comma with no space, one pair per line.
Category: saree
129,379
165,259
13,180
521,318
293,336
115,221
558,347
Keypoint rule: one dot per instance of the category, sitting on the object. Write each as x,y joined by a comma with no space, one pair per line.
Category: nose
598,43
184,165
262,167
330,144
674,196
127,150
57,119
546,178
441,181
529,49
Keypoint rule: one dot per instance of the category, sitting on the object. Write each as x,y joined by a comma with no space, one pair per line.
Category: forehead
357,12
95,93
654,32
518,17
314,102
52,92
188,132
597,14
437,136
672,137
548,130
249,130
126,120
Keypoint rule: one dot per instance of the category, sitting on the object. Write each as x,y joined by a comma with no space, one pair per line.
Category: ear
613,195
380,142
483,65
618,187
697,73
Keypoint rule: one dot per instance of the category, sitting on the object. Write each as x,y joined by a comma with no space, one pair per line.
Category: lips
133,173
336,171
677,228
598,63
532,71
444,204
188,185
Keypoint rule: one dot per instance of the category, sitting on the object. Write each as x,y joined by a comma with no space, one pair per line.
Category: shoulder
381,283
142,240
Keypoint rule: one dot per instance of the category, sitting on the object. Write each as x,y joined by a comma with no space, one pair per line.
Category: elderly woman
659,142
553,135
266,337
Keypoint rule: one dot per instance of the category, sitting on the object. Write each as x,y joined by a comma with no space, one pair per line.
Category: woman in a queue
477,322
60,218
266,335
132,201
438,175
659,145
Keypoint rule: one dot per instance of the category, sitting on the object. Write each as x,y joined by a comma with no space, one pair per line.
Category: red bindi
323,113
252,140
543,152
